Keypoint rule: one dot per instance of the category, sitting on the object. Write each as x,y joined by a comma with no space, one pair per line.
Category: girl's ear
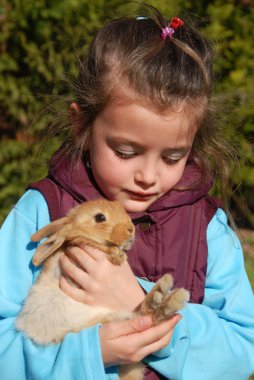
81,135
75,116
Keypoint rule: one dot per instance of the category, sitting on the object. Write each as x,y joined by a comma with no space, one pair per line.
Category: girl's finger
73,292
71,270
115,330
94,253
156,346
154,334
81,258
130,341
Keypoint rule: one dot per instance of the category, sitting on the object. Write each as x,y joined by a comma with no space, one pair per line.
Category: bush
38,44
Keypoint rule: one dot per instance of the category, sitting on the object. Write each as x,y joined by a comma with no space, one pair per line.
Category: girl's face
138,153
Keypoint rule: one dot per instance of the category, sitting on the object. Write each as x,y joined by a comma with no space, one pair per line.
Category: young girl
140,135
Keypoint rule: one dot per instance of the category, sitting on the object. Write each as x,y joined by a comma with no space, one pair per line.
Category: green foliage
12,175
39,40
231,27
38,45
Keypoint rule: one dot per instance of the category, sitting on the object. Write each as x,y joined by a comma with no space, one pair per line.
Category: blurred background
39,41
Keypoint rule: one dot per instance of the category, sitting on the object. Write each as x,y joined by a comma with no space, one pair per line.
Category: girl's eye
124,155
171,161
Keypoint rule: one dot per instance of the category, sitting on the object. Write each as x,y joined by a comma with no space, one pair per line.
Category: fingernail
145,321
177,318
61,258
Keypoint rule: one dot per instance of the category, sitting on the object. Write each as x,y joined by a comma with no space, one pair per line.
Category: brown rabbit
48,314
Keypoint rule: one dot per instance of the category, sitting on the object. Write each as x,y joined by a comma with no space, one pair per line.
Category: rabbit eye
99,218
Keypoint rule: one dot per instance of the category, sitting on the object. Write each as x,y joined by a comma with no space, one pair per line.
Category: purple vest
170,234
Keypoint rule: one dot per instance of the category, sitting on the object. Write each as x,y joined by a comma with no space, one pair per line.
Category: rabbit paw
161,303
116,256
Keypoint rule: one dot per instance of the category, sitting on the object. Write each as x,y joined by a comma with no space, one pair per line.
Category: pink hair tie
167,32
170,30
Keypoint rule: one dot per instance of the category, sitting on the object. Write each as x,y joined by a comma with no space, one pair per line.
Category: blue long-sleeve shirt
214,340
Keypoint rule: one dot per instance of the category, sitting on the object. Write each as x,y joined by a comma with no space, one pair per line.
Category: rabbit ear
46,248
49,229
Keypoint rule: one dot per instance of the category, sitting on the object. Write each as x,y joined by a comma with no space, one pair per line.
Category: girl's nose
146,175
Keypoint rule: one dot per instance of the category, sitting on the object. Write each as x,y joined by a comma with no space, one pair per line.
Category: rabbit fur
48,314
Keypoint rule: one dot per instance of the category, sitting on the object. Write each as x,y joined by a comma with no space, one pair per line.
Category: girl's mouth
140,196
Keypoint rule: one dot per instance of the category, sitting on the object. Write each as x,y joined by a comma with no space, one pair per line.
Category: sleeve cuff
92,343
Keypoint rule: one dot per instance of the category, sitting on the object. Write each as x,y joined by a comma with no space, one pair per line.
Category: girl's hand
99,282
130,341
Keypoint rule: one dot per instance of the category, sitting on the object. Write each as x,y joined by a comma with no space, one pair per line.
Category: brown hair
162,73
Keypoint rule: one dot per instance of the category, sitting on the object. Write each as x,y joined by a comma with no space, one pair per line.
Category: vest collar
82,186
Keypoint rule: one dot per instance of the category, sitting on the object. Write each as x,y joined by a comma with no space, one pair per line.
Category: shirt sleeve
78,356
214,340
